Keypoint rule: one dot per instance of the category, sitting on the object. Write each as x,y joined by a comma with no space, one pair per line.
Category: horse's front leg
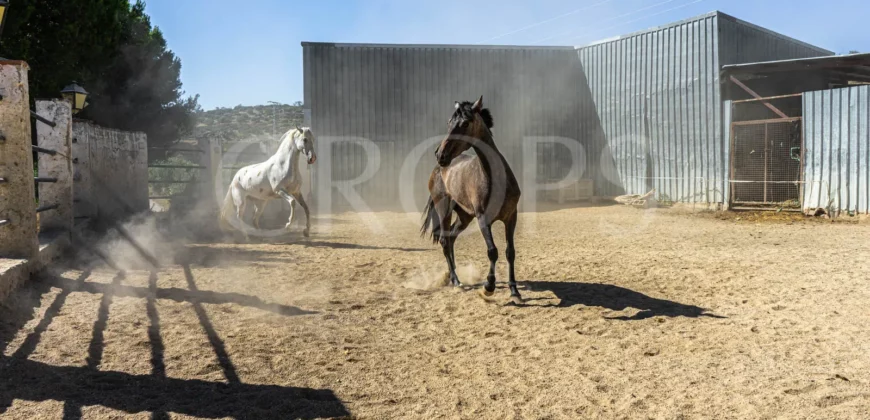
304,206
491,252
292,202
511,253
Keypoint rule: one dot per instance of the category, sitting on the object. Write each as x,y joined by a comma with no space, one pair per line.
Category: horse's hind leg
259,209
463,219
510,227
444,208
240,213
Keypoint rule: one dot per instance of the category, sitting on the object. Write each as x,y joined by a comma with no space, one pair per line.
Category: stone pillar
17,192
59,139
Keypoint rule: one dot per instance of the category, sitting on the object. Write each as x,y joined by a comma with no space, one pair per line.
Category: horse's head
304,143
469,123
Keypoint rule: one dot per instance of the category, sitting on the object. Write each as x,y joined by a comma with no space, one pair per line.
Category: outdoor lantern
4,4
76,94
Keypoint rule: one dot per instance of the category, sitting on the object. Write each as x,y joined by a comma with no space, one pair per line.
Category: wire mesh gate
767,163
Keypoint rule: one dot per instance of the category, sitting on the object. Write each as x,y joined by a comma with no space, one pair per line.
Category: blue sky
248,53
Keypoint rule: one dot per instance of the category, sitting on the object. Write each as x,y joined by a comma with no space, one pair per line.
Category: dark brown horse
482,187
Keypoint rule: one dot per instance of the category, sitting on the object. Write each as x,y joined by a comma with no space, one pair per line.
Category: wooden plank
758,122
794,95
757,96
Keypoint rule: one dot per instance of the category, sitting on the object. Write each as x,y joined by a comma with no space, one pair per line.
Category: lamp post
274,117
77,95
4,5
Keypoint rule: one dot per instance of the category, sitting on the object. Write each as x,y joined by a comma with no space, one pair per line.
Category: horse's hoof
488,292
305,233
516,300
287,226
486,296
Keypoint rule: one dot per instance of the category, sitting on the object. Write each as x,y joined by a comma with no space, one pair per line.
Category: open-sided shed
805,144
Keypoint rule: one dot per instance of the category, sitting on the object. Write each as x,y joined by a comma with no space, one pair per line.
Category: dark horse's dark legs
510,227
444,208
491,252
462,221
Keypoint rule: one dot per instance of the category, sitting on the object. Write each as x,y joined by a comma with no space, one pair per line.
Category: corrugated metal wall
399,96
670,77
836,142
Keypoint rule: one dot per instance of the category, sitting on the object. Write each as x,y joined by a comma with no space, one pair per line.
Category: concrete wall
112,171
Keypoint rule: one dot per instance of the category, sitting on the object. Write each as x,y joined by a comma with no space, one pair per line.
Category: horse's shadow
614,298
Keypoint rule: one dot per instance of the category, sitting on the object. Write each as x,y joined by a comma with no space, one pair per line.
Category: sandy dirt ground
628,313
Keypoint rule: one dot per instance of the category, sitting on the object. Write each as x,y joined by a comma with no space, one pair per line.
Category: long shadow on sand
80,386
342,245
174,294
615,298
293,238
207,256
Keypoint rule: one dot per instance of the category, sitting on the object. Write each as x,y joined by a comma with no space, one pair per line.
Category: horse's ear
457,104
478,104
297,128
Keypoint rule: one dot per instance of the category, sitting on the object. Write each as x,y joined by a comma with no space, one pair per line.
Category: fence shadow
207,256
615,298
174,294
345,245
80,386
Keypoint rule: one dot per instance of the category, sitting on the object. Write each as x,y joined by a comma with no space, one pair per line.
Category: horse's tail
227,205
431,222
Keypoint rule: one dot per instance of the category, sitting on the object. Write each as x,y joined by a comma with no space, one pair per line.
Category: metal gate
767,163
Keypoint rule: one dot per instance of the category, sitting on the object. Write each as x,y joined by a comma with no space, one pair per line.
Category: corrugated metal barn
398,96
652,109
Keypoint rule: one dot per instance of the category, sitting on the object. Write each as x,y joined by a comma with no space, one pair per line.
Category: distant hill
248,123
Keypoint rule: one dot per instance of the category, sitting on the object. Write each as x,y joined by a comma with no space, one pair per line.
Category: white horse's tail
225,209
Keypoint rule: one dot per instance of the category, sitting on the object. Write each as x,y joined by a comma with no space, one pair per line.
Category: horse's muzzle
312,158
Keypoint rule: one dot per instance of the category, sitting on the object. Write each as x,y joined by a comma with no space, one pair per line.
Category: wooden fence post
59,165
212,179
17,192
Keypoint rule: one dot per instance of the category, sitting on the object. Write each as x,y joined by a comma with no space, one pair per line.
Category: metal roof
852,66
714,13
436,46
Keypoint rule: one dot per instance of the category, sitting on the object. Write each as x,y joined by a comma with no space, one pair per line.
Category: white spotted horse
277,177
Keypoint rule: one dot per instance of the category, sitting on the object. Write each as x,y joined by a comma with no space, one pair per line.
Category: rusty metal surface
765,168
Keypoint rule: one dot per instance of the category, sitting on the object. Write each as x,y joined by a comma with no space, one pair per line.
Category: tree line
111,48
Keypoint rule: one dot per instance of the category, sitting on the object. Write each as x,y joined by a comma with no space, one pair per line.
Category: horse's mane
465,110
